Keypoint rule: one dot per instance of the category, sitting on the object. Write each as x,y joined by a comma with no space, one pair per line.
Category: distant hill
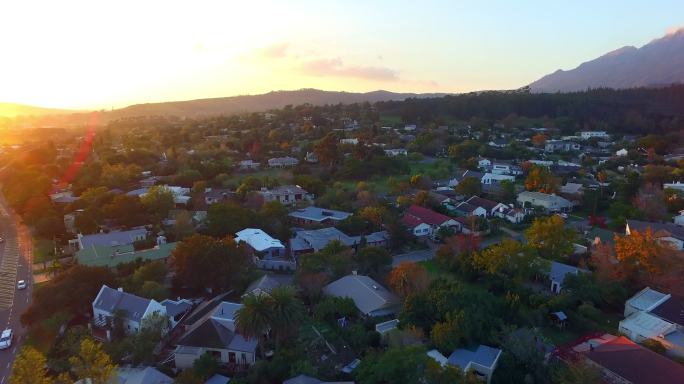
658,63
13,110
258,103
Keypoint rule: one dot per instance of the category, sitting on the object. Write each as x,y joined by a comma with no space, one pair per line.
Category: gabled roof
217,379
111,300
258,239
318,214
426,215
483,355
113,238
368,294
559,271
634,363
658,229
176,307
481,202
647,299
265,284
211,334
146,375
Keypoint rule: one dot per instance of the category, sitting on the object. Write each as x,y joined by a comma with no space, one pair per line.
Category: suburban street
15,261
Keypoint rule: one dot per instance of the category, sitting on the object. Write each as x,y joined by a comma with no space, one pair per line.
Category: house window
243,357
231,357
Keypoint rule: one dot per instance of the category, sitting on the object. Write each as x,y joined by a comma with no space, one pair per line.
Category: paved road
414,256
15,261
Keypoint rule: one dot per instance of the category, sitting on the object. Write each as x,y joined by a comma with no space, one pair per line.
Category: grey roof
658,229
113,238
304,379
211,334
267,282
146,375
319,214
218,379
483,355
559,271
318,238
111,300
175,308
137,192
368,294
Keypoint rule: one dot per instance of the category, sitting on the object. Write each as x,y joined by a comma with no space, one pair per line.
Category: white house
349,141
493,178
396,152
215,334
110,303
423,222
285,194
679,219
653,315
263,245
509,212
677,186
589,134
484,164
282,162
248,165
506,169
550,203
622,152
558,273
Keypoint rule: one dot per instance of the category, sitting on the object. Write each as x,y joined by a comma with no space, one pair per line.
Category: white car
21,284
6,339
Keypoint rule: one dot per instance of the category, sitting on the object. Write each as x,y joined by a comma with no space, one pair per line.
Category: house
139,375
248,165
217,195
349,141
500,168
487,205
679,186
509,212
112,303
65,197
386,326
309,241
311,157
304,379
622,152
652,315
468,209
266,283
678,220
107,256
261,244
215,333
109,239
667,234
371,298
572,189
493,178
499,143
550,203
585,135
285,194
484,164
218,379
315,215
552,146
396,152
483,360
622,361
423,222
176,309
558,272
282,162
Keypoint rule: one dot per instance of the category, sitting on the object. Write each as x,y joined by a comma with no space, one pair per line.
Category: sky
94,54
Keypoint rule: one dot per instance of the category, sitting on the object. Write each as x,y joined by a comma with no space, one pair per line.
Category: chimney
120,289
355,273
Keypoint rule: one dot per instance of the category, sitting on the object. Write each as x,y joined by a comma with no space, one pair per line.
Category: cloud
336,67
275,51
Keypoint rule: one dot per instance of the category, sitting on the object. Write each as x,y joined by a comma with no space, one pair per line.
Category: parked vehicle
6,339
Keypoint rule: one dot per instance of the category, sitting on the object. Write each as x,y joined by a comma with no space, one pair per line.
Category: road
15,262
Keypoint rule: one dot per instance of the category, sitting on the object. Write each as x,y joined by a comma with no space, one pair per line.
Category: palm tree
253,320
287,311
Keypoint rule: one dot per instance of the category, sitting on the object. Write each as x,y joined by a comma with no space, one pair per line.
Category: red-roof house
425,222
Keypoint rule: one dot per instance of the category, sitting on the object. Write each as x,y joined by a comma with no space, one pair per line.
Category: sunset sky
97,54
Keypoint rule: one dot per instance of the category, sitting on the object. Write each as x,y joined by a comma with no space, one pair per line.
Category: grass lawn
42,250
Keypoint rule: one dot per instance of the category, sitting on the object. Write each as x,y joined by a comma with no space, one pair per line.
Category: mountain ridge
657,63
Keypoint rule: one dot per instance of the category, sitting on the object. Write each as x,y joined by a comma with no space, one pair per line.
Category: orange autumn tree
539,140
407,278
540,179
641,253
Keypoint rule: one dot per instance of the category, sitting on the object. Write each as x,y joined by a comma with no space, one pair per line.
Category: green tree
395,365
202,262
254,318
287,312
158,200
469,186
550,237
152,329
508,258
29,367
371,260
